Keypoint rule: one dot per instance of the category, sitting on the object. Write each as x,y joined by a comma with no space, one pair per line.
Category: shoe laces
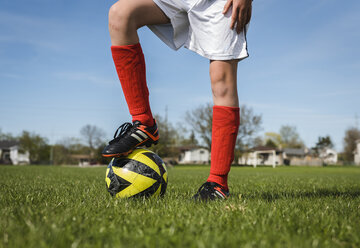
122,130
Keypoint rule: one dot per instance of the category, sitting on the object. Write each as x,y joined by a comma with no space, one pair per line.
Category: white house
357,153
329,156
262,155
10,153
194,155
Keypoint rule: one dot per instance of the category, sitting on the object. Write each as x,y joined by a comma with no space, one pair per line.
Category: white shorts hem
163,38
214,56
179,32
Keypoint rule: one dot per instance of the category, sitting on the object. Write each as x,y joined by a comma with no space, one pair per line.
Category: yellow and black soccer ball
142,173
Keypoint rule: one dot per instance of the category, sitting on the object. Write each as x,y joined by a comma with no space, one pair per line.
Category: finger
234,17
246,17
240,21
227,6
249,13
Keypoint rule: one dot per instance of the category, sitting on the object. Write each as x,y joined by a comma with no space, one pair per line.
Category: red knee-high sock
225,127
130,66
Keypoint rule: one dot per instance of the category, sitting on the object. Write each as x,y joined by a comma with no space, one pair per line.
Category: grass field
282,207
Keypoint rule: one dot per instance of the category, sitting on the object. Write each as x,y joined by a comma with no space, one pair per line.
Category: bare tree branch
92,135
200,120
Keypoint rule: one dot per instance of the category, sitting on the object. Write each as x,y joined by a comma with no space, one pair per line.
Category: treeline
173,137
71,150
65,151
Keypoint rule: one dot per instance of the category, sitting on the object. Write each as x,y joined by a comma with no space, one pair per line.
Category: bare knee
223,83
219,87
120,17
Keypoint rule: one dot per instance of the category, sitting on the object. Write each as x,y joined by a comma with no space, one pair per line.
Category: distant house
194,155
294,153
83,159
10,153
357,153
301,156
329,156
262,155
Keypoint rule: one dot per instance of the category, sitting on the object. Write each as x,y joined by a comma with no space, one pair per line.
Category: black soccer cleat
129,136
211,191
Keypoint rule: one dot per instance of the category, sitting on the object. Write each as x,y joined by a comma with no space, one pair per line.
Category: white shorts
201,26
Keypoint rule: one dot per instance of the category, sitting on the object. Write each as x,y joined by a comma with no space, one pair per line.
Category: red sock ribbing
130,66
225,127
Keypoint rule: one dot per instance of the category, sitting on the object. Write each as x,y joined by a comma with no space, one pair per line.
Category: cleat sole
117,155
148,143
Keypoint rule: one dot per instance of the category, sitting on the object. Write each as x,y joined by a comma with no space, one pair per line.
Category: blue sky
57,74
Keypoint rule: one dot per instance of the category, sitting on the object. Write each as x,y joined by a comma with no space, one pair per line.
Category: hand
241,13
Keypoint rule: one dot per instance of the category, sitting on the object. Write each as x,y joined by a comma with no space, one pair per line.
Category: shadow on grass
319,193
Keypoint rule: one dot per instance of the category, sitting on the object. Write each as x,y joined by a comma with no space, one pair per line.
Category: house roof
294,151
6,144
189,148
81,156
264,148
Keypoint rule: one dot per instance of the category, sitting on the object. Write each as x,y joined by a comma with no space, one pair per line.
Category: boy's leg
226,120
223,76
125,17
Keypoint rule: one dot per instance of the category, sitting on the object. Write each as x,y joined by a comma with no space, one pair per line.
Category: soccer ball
142,173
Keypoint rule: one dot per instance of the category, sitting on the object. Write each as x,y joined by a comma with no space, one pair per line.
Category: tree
168,138
6,136
93,137
273,140
37,147
74,145
63,151
61,155
258,141
192,141
323,142
352,134
200,119
250,124
98,155
290,137
184,137
271,143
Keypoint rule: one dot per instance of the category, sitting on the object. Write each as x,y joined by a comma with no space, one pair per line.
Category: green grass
282,207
